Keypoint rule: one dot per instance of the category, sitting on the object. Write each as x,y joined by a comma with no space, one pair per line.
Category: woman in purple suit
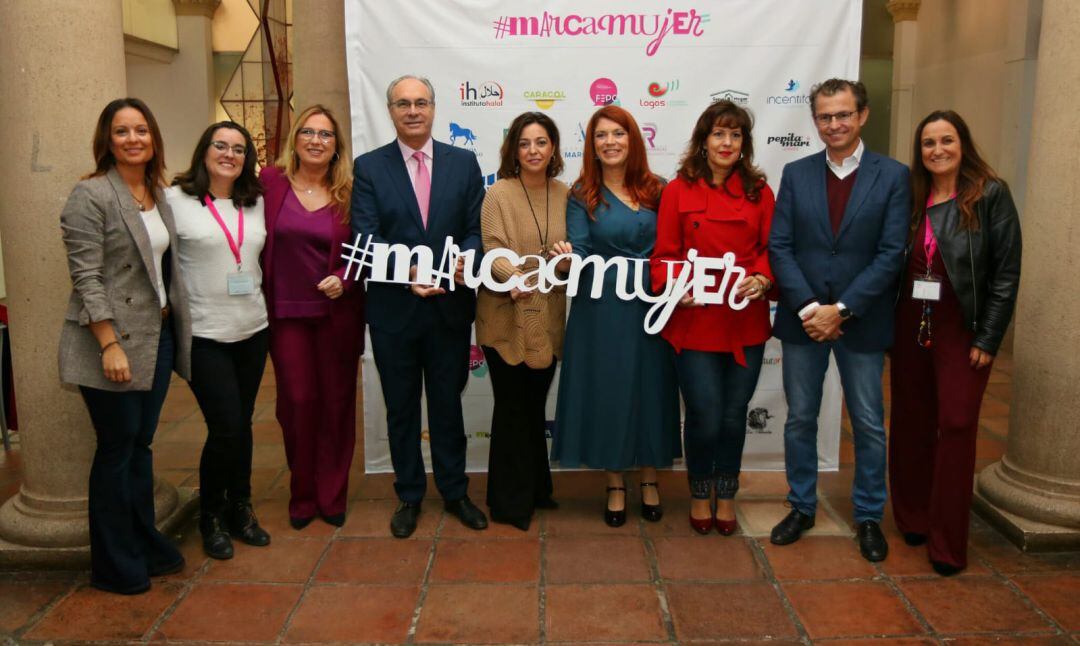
316,314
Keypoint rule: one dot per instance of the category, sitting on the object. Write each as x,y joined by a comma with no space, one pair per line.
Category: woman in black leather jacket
956,299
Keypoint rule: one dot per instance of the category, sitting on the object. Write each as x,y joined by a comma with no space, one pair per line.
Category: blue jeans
717,391
860,374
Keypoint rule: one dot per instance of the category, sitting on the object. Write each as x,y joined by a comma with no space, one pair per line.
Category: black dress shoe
300,523
651,513
615,518
872,542
244,525
468,513
215,540
914,539
520,523
945,569
546,503
403,522
165,570
337,520
791,528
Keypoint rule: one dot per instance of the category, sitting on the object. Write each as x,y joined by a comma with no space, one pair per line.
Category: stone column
58,69
1033,493
320,74
1021,57
902,121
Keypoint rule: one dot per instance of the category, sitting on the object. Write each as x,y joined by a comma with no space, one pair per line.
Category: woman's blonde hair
339,175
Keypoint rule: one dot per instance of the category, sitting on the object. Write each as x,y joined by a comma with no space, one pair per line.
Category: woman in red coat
316,314
718,203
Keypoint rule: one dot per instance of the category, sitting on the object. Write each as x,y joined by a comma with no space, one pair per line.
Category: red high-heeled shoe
727,527
701,525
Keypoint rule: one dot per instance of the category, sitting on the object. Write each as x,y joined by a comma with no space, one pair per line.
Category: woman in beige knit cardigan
521,332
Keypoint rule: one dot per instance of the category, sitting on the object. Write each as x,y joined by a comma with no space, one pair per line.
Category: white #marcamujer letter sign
697,275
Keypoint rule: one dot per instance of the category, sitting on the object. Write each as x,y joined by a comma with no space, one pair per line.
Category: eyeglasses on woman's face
308,134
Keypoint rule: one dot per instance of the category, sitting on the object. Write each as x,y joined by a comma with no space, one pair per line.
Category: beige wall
234,22
960,65
153,21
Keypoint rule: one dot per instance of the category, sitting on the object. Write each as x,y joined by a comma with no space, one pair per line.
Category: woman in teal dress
618,406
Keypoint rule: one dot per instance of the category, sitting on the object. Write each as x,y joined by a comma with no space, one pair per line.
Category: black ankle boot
244,525
215,540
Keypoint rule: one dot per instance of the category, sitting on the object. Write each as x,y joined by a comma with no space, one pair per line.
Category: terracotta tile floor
569,579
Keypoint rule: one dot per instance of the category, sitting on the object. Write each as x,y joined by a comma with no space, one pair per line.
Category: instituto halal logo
735,96
485,94
660,95
544,99
790,141
790,97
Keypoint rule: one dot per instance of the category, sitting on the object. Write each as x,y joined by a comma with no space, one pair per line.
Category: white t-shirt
159,243
206,261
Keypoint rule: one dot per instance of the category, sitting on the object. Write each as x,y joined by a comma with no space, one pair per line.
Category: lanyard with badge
927,288
240,282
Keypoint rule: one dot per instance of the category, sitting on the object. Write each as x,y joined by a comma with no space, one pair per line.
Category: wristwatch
845,313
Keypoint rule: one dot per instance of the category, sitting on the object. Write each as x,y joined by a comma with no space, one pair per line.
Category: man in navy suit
416,191
836,247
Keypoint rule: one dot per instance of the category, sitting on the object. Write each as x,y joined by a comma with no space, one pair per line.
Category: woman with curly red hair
618,402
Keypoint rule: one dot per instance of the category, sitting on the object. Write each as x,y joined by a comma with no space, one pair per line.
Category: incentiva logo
544,99
603,91
609,26
735,96
791,97
486,94
790,141
467,137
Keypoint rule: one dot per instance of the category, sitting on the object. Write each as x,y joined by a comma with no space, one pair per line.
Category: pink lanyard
234,245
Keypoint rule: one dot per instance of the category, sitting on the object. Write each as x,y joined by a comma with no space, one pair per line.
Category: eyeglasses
403,105
840,117
221,147
309,133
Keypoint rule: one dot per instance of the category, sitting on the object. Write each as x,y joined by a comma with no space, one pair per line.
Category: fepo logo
459,132
790,141
791,96
486,94
544,99
656,26
603,91
735,96
477,364
660,95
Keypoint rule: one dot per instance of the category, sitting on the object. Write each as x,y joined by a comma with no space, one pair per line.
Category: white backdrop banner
491,60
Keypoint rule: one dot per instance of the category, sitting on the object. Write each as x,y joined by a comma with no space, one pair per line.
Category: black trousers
425,354
518,471
125,545
225,378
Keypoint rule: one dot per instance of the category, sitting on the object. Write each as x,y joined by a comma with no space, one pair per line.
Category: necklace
139,200
536,220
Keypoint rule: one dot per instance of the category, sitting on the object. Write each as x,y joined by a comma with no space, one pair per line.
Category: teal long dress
618,405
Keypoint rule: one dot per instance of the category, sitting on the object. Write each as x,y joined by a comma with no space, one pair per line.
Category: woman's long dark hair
508,154
195,181
970,183
695,164
104,160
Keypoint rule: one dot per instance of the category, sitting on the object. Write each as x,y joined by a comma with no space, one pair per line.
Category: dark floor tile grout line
425,582
891,583
42,612
770,577
185,590
541,587
1004,579
658,583
307,587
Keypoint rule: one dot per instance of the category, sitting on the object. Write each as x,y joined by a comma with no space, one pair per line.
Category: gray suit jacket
112,275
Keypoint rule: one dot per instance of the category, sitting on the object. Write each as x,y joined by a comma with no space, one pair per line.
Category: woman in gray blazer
126,328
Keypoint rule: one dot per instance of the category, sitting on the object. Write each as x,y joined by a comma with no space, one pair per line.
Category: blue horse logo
457,131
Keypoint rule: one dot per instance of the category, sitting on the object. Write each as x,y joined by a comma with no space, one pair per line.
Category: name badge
241,283
927,288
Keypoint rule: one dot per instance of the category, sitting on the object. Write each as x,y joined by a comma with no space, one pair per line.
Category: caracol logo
466,135
603,91
790,141
656,26
486,94
660,95
544,99
735,96
791,96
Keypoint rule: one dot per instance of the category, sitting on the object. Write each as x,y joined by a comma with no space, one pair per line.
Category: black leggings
225,378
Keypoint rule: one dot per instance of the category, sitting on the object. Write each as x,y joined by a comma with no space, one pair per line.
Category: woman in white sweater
218,208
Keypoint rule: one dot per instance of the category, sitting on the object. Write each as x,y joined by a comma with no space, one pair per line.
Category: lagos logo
603,91
659,90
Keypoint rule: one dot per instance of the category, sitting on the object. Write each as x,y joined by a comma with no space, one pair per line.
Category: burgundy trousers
315,366
936,396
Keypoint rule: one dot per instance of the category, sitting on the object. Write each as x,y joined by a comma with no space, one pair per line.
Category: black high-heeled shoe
615,518
651,513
